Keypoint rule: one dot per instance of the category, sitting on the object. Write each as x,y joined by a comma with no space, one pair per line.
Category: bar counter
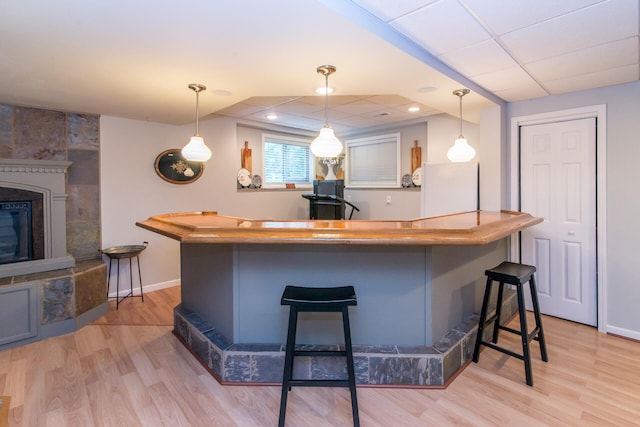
419,284
468,228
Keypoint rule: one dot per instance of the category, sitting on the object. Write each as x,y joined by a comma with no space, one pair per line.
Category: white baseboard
147,288
627,333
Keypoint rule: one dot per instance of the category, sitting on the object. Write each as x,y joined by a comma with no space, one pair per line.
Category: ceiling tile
587,81
595,25
437,27
354,122
504,79
424,110
334,114
302,123
390,100
610,55
503,16
268,101
299,107
528,91
357,108
240,109
387,115
479,58
390,10
262,116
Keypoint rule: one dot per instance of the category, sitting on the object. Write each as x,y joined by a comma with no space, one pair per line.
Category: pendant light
196,150
326,144
461,150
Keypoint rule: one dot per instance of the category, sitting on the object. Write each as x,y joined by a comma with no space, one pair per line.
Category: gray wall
623,210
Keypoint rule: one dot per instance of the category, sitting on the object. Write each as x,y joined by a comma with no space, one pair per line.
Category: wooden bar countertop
467,228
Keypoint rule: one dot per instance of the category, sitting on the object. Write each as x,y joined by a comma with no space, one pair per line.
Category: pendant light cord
326,70
197,103
460,96
197,88
326,99
460,93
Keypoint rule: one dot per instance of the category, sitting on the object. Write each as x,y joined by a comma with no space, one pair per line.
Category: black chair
328,206
302,299
509,273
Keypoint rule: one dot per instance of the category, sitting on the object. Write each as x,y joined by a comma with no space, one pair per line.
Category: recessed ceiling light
272,116
413,109
322,90
427,89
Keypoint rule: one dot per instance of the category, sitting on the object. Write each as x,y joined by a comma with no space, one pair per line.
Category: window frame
287,140
373,140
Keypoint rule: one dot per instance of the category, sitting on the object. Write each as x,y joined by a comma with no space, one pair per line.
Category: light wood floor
116,374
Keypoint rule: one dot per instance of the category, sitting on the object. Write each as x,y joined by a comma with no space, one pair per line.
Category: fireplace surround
48,179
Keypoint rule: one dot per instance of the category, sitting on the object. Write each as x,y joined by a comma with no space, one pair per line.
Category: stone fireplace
58,284
33,234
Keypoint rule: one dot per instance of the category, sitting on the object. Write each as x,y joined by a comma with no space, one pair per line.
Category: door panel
542,261
558,184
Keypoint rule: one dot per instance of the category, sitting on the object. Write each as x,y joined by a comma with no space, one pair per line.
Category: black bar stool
302,299
516,275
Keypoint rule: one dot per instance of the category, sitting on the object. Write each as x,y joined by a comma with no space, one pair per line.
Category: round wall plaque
173,168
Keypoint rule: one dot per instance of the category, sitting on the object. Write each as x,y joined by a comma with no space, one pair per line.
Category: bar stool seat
509,273
307,299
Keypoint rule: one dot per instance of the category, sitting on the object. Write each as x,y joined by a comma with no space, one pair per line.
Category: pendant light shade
196,150
326,144
461,151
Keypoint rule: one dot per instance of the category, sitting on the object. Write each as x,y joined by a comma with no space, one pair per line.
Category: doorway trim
599,112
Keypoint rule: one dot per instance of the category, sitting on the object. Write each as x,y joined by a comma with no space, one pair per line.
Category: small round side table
124,252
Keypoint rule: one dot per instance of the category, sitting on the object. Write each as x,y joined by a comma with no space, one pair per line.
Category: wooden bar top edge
466,228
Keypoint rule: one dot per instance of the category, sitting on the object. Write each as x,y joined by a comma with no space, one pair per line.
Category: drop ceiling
134,59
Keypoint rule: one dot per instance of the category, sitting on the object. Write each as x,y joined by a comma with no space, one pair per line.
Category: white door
558,183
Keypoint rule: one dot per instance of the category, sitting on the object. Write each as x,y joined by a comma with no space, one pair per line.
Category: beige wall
131,190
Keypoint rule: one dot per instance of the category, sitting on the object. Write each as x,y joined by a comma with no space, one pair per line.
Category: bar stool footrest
503,350
533,335
341,353
508,329
319,383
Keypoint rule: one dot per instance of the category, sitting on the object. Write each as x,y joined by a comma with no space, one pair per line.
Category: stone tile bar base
379,365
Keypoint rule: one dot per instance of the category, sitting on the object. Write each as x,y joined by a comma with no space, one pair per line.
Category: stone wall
31,133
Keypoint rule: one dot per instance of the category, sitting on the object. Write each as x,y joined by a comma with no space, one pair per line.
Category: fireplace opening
16,243
21,226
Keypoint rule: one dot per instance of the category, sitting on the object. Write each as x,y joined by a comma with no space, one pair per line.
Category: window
286,160
373,161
